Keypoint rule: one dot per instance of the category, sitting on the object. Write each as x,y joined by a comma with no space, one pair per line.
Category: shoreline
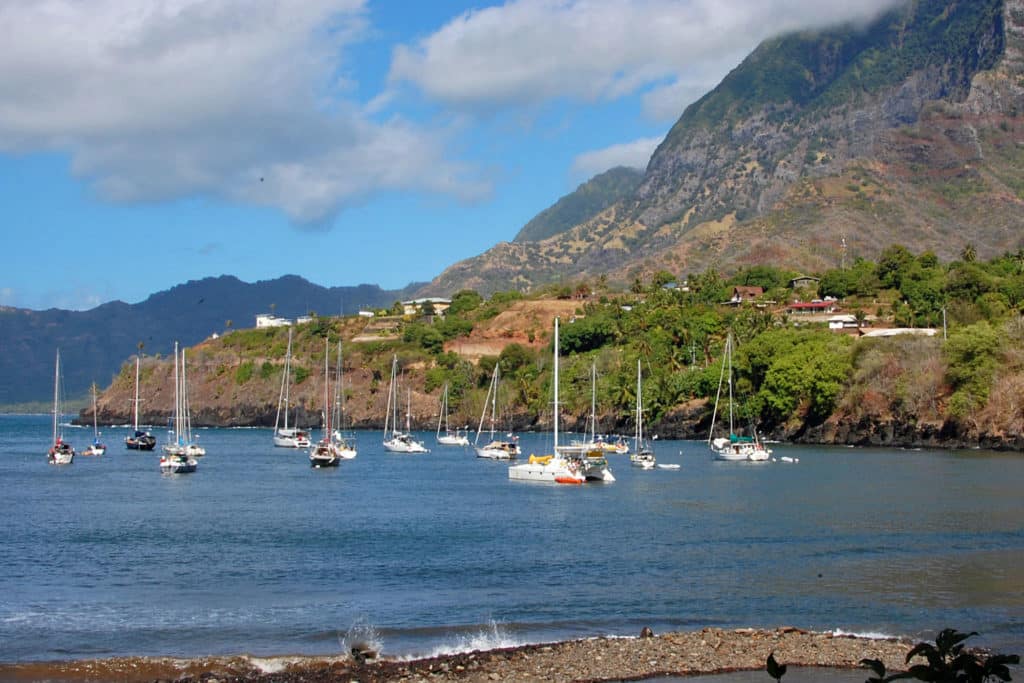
591,660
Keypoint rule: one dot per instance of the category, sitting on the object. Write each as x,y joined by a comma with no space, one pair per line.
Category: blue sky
144,143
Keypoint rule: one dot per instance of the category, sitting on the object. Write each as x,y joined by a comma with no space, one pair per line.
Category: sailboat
459,438
138,440
397,441
180,454
497,449
61,452
287,437
643,454
345,442
733,447
590,453
557,468
326,452
97,447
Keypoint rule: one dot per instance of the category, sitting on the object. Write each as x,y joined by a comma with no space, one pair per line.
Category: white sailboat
733,447
643,454
396,441
138,440
61,452
345,442
180,454
458,438
496,449
97,447
285,436
326,453
557,468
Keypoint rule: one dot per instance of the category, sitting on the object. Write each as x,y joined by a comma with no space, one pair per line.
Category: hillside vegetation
796,379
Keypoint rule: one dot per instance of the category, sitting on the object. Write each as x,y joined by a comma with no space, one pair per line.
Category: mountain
588,200
96,342
907,129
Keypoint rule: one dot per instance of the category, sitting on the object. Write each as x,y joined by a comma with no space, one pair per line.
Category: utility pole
943,323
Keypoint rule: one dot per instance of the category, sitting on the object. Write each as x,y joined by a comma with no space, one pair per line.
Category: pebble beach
678,654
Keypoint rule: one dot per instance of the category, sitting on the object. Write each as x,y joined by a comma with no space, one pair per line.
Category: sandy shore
710,650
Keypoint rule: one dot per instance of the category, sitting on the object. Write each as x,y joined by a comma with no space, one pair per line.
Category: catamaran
397,441
496,449
180,453
449,438
138,440
285,436
61,452
558,468
326,452
733,447
97,447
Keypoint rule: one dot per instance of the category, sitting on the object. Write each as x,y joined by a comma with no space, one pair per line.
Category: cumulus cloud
634,154
239,99
529,51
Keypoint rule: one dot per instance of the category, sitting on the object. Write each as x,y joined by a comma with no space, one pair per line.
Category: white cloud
529,51
634,154
160,99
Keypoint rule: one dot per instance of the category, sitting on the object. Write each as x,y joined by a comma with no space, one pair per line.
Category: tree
968,254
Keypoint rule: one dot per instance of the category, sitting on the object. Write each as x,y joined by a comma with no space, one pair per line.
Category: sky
145,143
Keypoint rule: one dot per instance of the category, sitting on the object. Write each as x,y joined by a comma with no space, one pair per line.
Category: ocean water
258,553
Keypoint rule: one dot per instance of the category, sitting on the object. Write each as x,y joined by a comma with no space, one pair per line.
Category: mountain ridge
94,343
913,128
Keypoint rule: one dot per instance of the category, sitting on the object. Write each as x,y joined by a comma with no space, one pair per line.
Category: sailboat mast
556,387
728,347
136,417
339,392
494,399
186,415
95,425
639,410
593,402
444,408
391,391
177,398
327,389
56,396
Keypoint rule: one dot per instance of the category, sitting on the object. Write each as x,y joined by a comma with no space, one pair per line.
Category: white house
269,320
415,306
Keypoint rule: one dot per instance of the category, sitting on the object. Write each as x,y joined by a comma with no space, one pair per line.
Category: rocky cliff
909,130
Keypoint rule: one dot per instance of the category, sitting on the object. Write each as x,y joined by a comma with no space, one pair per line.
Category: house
742,294
415,306
809,307
804,282
270,320
844,321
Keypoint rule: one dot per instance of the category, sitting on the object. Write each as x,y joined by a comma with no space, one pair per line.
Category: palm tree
968,254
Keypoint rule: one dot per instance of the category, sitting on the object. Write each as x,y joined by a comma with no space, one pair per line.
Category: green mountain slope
589,199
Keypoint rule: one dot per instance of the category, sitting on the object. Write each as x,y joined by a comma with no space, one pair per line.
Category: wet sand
681,654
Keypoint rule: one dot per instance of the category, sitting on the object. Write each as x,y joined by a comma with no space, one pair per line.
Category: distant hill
588,200
96,342
907,129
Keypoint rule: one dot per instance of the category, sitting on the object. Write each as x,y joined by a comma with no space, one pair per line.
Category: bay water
258,553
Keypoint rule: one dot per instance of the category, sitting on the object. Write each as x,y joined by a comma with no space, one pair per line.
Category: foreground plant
948,662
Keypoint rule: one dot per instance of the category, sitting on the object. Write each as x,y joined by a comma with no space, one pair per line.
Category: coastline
688,653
